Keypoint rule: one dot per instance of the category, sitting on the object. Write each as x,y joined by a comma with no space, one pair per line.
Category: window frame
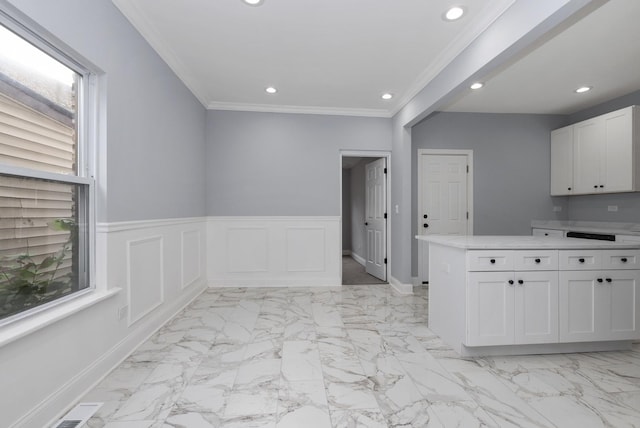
86,146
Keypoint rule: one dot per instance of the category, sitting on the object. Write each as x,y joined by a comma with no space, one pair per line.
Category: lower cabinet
599,305
510,308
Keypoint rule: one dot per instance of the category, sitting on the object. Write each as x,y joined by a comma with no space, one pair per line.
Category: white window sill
21,328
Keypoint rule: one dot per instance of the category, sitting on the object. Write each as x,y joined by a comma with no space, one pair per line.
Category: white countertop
476,242
588,226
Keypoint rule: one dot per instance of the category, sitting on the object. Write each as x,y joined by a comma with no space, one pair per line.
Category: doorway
445,198
365,219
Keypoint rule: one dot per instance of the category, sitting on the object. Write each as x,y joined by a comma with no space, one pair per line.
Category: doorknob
366,224
425,225
425,216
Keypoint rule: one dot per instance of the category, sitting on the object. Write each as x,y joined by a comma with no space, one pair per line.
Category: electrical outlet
122,312
612,208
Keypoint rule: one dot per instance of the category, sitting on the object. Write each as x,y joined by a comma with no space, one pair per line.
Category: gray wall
155,126
511,167
594,207
346,210
273,164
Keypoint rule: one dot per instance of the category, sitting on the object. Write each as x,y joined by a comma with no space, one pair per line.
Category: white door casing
445,202
375,218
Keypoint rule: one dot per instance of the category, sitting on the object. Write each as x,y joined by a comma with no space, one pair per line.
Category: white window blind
33,140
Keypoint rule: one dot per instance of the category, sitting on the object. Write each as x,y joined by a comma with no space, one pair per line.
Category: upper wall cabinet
599,155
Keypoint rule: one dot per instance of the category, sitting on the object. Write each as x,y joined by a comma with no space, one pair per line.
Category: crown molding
271,108
488,16
148,32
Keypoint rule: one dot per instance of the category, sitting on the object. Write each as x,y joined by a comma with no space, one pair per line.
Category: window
45,186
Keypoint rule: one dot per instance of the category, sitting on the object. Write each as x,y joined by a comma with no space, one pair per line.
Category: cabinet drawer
621,259
535,260
490,260
580,259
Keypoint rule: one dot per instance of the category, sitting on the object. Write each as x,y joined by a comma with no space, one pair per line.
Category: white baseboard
265,283
399,286
359,259
346,252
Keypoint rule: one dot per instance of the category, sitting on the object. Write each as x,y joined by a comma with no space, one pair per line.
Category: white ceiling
601,50
339,56
324,56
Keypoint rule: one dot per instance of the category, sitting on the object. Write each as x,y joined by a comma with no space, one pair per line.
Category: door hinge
385,170
385,215
467,215
385,260
467,169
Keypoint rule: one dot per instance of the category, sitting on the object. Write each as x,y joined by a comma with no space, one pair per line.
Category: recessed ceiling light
582,89
476,85
253,2
454,13
271,90
386,96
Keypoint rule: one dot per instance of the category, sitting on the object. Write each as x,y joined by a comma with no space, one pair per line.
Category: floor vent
78,415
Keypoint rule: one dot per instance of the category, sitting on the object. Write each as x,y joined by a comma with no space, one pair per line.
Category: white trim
399,287
278,282
370,154
361,260
59,401
145,224
271,108
20,328
456,152
346,252
286,219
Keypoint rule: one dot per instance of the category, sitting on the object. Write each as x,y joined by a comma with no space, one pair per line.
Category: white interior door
375,218
443,198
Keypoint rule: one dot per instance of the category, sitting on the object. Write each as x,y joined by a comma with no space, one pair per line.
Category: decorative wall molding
273,251
154,262
123,226
192,256
145,276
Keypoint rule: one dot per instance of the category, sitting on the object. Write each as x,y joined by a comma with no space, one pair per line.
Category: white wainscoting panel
247,249
306,249
145,278
273,251
192,256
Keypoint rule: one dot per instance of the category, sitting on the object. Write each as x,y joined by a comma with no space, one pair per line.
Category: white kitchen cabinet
508,295
599,305
599,155
510,308
562,161
512,297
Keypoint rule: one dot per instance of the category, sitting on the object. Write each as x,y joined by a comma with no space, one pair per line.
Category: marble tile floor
356,356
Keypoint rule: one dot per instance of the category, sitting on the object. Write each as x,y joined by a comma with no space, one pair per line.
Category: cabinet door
617,172
618,309
578,297
490,317
562,161
536,307
588,156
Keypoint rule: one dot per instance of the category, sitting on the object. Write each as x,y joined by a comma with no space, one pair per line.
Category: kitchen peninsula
508,295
